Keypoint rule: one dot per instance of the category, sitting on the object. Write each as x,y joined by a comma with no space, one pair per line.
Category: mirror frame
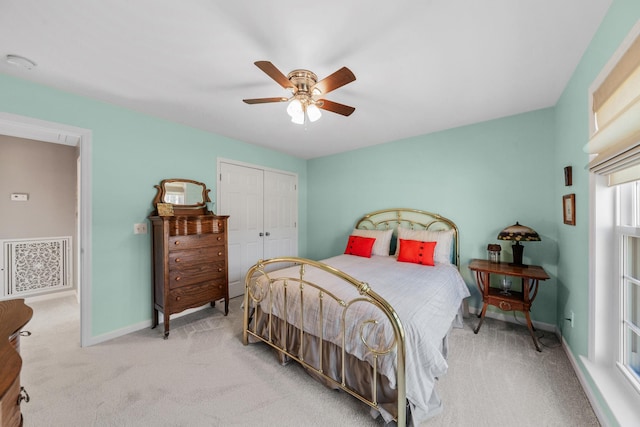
162,192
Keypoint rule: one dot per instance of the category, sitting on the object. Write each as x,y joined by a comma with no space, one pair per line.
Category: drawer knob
178,259
219,269
23,396
219,238
219,253
178,279
178,298
177,242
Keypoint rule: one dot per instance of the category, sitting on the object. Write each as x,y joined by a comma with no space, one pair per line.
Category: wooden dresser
190,266
14,314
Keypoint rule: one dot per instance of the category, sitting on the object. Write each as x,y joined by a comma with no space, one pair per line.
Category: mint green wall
572,133
132,152
483,177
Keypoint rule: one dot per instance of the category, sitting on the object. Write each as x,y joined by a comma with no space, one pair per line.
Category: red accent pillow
416,252
360,246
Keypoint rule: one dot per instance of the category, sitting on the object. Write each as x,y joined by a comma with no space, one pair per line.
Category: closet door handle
261,234
267,234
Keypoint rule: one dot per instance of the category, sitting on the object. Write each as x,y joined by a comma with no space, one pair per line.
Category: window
614,231
628,232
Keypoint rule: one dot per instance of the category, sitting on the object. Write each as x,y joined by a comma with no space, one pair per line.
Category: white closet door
241,197
280,215
263,222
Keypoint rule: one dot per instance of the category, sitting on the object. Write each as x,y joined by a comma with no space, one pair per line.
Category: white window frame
622,399
623,231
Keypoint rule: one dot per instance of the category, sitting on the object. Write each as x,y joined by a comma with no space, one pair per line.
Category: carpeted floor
203,376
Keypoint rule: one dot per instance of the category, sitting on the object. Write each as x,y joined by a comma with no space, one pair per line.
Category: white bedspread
426,299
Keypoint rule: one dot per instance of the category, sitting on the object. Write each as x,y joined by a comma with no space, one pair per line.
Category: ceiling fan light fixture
313,113
295,108
305,104
298,118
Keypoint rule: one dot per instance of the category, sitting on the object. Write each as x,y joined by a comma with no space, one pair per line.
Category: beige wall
47,172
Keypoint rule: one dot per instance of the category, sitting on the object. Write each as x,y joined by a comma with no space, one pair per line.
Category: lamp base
518,250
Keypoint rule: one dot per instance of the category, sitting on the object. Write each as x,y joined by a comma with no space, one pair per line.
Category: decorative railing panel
38,265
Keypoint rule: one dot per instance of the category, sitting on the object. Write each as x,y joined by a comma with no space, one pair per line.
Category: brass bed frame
256,292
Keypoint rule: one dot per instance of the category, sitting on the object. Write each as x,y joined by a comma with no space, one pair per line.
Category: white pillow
383,240
443,239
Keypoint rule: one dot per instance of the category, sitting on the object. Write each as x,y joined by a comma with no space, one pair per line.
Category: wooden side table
520,301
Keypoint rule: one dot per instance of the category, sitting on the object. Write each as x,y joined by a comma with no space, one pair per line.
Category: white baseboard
53,295
507,316
143,325
117,333
595,404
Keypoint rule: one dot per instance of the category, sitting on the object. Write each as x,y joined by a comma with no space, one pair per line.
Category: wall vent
33,266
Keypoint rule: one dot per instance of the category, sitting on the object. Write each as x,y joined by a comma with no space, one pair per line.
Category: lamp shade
313,113
518,233
295,108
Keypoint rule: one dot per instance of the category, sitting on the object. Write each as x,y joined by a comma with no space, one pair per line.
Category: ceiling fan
308,92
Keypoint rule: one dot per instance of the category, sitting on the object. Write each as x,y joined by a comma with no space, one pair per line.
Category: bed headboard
413,219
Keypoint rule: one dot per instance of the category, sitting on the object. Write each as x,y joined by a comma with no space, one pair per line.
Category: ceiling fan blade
335,80
275,74
264,100
335,107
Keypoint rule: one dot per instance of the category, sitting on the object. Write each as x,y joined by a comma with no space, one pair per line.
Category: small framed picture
568,181
569,209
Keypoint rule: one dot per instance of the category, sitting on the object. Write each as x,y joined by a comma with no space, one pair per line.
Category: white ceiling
421,66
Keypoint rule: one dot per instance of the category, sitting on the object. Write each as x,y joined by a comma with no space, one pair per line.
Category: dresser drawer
187,258
183,226
194,241
9,406
506,303
190,273
196,295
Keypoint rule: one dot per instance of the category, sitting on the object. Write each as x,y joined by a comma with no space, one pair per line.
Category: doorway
57,133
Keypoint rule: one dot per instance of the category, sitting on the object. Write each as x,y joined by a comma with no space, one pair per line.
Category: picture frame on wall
568,180
569,209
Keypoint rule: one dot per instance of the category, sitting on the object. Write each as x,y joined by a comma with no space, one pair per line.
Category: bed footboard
321,303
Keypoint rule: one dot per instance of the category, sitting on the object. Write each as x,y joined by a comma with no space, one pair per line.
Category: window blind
616,109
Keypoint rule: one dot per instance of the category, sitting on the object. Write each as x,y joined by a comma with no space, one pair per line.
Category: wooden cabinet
14,314
530,275
190,266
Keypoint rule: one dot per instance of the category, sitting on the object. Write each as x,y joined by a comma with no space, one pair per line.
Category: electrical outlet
140,228
571,318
